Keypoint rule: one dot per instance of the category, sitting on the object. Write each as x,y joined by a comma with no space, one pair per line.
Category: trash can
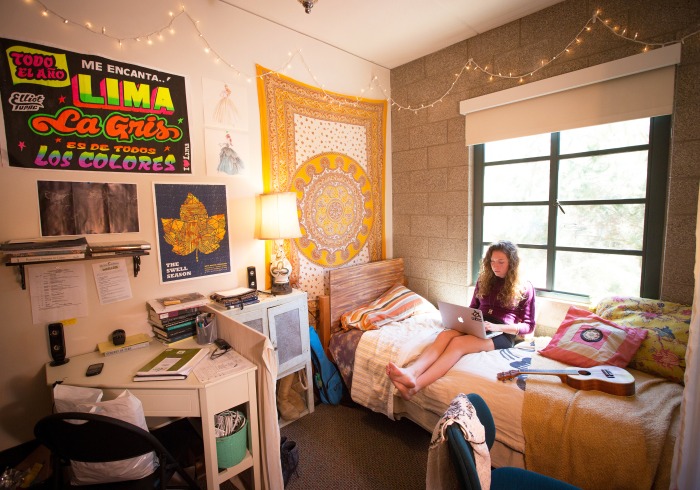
231,448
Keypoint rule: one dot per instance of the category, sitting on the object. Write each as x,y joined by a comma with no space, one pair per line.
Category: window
586,206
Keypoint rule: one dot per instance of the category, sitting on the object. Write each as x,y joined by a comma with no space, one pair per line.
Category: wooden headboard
351,287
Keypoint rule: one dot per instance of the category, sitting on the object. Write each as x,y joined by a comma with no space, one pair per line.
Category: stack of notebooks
236,298
171,364
44,250
173,318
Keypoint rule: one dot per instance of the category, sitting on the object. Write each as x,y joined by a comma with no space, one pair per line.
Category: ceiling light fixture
308,4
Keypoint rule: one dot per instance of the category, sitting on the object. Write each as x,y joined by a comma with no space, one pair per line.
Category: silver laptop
465,320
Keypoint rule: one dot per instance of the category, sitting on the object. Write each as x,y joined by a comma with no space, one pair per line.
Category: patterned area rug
330,150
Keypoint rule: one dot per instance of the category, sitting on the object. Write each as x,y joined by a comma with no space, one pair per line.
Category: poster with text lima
70,111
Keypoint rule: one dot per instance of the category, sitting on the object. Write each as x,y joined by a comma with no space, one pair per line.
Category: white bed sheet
402,342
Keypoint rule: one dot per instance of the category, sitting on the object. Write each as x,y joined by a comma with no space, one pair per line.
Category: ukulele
608,379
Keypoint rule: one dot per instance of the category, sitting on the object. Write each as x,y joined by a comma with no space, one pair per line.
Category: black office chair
99,439
462,458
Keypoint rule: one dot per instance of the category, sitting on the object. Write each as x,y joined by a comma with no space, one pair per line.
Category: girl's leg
407,376
457,347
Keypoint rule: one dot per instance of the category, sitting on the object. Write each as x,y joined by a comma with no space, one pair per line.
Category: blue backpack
326,376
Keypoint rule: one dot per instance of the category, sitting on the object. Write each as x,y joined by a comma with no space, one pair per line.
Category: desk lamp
278,220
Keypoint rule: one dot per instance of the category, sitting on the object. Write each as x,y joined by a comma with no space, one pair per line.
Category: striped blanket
396,341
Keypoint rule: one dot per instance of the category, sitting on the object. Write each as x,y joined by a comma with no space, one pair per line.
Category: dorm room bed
588,438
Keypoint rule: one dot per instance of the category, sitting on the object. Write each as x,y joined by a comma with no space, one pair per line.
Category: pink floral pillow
584,340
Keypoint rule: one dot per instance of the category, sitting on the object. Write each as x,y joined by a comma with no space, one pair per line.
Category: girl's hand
493,327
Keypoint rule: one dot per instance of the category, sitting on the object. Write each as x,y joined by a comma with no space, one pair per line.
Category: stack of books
173,318
236,298
171,364
44,250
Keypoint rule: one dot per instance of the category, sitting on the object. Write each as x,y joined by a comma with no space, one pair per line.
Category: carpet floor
351,447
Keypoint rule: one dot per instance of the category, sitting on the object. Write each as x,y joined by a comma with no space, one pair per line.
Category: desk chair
462,458
100,439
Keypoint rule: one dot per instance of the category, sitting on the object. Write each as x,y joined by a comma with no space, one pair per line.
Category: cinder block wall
431,164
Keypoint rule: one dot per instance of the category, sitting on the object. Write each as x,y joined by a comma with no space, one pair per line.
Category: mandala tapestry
329,149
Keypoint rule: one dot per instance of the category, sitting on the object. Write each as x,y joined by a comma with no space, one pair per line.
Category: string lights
470,65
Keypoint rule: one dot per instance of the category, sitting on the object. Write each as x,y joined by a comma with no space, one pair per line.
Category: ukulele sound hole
583,372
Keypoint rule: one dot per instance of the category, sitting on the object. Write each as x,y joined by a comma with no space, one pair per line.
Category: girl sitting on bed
508,306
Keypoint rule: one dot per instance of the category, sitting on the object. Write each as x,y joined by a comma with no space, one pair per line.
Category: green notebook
173,361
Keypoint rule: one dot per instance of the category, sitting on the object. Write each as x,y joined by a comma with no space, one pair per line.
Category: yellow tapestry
330,150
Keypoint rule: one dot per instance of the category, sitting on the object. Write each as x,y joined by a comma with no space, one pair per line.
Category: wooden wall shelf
135,254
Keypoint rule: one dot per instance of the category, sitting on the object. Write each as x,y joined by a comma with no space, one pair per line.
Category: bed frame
355,286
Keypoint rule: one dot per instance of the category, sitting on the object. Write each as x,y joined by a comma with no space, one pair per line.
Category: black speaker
57,344
252,279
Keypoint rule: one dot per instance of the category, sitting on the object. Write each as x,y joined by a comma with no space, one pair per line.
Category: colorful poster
192,224
70,111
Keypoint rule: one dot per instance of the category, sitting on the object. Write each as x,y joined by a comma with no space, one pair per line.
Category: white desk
185,398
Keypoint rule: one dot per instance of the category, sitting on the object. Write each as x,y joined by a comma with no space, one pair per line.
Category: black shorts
503,341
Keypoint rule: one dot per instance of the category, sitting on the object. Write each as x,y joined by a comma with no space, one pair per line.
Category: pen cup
206,328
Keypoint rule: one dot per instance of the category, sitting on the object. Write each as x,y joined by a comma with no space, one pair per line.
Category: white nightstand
284,319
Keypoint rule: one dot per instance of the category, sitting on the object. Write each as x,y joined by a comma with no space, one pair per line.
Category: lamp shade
278,216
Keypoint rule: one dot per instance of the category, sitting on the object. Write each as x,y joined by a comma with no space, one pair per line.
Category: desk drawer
163,403
228,393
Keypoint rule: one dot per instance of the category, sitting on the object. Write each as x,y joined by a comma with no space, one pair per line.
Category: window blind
630,88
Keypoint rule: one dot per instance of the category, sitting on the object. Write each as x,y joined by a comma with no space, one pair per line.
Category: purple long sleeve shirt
523,312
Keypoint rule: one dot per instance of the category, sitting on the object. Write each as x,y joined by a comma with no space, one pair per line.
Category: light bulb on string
615,29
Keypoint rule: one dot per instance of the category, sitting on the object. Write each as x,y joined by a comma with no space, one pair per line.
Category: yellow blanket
594,440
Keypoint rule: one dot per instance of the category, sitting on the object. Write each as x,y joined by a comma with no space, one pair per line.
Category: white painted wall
240,38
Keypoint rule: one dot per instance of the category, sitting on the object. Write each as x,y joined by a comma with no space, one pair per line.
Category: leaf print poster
192,225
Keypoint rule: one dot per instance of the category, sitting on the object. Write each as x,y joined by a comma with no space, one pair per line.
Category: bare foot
406,392
401,376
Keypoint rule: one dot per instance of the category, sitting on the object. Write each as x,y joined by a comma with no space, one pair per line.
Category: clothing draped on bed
595,440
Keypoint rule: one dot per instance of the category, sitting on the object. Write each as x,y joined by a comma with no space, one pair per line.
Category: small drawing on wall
79,208
225,111
226,137
226,151
225,104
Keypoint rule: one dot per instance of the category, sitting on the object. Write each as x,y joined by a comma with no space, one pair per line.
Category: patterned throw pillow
584,339
663,351
398,303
